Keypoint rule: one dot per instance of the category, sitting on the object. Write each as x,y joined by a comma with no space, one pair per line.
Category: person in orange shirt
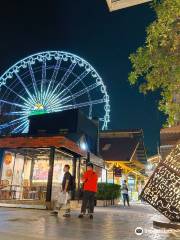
90,180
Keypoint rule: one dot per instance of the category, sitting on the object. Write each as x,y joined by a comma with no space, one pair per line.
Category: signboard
117,172
162,190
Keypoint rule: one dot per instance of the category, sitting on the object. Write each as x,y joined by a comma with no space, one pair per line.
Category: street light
84,147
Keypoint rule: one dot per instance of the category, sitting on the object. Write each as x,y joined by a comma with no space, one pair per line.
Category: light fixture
83,146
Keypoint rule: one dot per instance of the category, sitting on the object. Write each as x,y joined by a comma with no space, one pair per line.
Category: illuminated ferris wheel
50,81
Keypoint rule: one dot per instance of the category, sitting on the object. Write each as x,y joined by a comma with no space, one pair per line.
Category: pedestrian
89,179
124,191
68,186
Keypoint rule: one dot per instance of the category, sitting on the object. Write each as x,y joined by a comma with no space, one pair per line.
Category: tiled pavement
109,223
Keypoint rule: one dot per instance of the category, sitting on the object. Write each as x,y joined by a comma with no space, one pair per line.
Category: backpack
72,183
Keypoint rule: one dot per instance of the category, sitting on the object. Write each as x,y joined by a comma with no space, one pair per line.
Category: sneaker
91,216
66,215
81,215
54,213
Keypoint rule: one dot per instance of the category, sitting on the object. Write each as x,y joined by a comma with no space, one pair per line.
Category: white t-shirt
124,189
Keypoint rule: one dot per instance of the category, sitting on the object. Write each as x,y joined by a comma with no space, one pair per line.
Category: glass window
61,159
25,174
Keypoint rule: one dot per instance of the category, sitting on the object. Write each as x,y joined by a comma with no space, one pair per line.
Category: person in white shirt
124,191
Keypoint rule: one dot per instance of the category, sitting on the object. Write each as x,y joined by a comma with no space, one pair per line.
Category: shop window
24,174
61,159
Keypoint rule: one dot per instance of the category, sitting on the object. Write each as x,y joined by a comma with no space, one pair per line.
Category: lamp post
84,147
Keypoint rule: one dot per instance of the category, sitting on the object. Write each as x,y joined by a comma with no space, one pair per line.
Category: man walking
65,195
89,179
124,191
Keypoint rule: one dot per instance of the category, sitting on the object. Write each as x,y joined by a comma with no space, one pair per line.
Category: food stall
32,168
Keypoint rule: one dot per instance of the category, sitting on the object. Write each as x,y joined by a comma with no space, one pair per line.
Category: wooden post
113,174
31,171
50,175
106,175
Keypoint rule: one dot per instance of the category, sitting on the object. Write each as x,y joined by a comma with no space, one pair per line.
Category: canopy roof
27,141
117,149
123,145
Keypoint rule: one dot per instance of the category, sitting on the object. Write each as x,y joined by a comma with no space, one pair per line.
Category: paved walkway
109,223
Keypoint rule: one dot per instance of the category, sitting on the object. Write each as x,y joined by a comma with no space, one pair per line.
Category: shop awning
40,142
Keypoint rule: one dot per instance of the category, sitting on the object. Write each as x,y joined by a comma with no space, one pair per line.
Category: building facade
125,158
31,171
170,137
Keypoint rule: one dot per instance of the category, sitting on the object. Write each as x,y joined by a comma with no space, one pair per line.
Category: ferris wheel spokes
74,83
20,127
33,80
12,103
16,113
80,105
43,82
18,95
52,80
80,93
13,122
55,72
58,92
25,87
66,75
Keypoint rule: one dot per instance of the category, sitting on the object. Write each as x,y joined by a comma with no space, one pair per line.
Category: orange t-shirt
90,179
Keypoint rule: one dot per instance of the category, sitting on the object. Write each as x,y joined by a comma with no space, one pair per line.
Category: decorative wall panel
163,188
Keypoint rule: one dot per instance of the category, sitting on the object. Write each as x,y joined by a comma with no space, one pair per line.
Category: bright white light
83,146
149,166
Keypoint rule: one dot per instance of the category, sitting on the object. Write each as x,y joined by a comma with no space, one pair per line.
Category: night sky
104,39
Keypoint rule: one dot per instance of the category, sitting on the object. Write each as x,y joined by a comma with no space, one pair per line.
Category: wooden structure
124,150
169,139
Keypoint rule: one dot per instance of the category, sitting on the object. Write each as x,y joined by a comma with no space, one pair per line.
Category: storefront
117,172
32,168
125,159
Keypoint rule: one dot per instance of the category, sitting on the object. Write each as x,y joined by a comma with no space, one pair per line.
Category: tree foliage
158,61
